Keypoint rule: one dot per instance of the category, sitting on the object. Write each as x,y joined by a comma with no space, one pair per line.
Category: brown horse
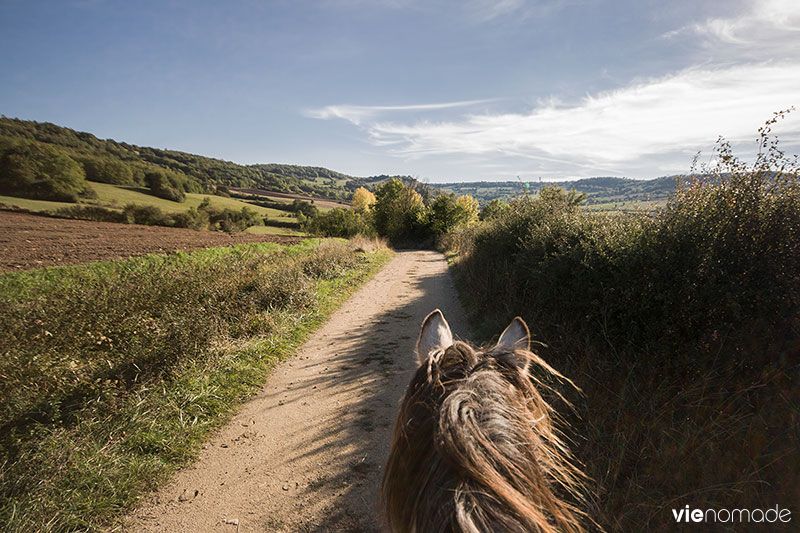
475,448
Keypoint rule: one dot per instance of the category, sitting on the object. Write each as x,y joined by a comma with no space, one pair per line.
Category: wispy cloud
665,119
360,114
767,29
489,10
470,11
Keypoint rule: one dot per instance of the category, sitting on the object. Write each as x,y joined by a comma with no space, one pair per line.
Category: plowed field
29,241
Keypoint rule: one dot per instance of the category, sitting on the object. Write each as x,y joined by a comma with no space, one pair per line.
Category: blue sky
440,89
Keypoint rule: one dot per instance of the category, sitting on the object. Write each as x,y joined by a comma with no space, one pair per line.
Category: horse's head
474,447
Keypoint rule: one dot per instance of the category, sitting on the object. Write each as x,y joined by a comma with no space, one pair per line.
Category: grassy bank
114,373
129,204
682,329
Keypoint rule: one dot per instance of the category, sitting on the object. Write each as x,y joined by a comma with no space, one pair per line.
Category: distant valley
126,164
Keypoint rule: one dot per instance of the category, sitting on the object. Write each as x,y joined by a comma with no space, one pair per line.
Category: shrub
339,222
307,209
90,212
146,215
681,328
227,219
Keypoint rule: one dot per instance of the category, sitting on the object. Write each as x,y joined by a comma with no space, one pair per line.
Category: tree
466,210
557,196
106,170
38,170
441,213
363,200
398,211
447,212
307,209
165,186
493,209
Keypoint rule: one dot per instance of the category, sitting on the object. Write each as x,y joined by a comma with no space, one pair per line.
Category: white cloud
769,29
664,120
747,66
359,114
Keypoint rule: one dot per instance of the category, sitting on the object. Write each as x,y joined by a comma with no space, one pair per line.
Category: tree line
120,163
406,213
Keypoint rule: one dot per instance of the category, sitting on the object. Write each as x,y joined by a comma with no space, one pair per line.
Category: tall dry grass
112,374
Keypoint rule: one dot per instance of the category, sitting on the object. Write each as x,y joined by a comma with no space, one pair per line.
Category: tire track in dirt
307,454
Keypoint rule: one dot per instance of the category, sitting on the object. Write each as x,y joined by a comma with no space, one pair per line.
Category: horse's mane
476,449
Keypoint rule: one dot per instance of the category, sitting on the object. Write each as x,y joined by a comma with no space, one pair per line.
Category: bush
307,209
339,222
89,212
681,328
146,215
227,219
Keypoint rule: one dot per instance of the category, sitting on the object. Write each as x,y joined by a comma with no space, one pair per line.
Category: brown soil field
29,241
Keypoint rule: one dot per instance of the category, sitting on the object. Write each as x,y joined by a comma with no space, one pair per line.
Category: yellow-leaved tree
363,200
468,209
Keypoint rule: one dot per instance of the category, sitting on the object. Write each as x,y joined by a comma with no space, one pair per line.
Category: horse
475,447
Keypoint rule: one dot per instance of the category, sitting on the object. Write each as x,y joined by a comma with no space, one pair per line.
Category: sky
444,90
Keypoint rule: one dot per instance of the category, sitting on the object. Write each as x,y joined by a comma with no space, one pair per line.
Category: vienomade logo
733,516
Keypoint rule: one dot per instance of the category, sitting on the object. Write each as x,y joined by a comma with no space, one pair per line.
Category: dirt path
307,453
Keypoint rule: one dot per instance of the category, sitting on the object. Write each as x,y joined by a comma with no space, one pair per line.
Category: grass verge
114,373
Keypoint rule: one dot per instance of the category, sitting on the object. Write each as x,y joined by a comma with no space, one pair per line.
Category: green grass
116,196
115,373
272,230
32,205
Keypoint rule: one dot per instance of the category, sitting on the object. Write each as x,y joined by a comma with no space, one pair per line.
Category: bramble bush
682,328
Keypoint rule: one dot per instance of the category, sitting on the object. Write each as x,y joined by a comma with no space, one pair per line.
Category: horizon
446,92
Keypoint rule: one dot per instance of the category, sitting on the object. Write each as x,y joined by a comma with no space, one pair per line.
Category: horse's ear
516,336
434,335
